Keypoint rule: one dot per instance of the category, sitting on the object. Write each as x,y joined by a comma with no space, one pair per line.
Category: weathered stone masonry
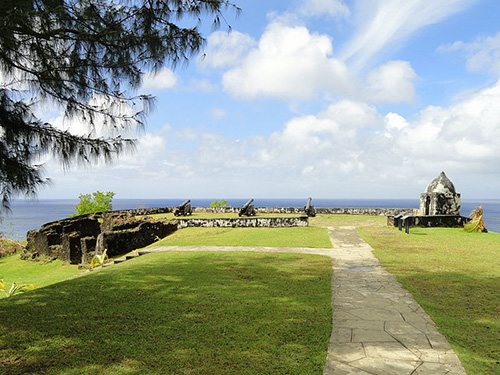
77,240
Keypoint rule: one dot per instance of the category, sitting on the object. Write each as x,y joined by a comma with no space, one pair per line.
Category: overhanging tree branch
72,52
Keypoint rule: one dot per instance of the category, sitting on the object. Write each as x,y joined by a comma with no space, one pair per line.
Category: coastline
31,214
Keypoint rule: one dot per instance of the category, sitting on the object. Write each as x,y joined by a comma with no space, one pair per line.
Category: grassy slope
455,276
279,237
176,313
13,269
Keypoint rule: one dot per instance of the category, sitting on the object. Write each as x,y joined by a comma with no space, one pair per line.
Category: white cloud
348,150
218,113
464,134
161,80
391,82
334,8
385,22
482,55
288,63
226,49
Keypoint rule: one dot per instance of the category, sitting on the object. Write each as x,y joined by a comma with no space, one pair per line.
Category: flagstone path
378,328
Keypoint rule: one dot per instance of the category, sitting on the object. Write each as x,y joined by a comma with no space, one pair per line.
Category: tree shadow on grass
187,313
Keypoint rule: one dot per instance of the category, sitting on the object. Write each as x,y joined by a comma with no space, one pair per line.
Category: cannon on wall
309,208
184,209
247,209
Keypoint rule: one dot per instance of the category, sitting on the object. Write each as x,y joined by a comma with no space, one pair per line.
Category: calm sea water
28,215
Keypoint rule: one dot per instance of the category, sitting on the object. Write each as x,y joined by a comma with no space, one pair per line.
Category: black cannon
309,208
398,221
407,222
247,209
184,209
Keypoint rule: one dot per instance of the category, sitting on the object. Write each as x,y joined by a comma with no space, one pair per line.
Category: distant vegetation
8,247
95,202
216,203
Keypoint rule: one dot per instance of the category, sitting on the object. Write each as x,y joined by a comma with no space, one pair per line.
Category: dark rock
88,248
71,249
122,241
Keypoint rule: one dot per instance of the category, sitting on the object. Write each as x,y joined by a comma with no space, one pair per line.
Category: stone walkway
378,328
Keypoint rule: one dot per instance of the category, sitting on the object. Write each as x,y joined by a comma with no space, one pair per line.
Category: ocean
31,214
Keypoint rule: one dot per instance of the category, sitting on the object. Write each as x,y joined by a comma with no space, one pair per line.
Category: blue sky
321,98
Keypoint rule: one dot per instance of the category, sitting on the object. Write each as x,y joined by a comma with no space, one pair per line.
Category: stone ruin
439,207
440,198
77,240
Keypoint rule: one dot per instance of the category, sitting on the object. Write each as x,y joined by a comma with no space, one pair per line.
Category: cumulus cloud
289,62
385,22
482,55
464,133
391,82
161,80
334,8
226,49
349,149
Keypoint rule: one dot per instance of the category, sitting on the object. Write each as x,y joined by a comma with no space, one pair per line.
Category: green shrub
95,202
216,203
16,289
8,247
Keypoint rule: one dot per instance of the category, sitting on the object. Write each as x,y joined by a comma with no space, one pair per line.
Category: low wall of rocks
244,222
433,221
278,210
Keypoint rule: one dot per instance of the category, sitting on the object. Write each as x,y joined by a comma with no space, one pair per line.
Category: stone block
71,249
88,248
120,242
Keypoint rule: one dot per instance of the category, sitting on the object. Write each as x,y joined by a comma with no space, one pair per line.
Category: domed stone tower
440,198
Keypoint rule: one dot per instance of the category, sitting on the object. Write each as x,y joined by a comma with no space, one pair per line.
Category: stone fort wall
78,239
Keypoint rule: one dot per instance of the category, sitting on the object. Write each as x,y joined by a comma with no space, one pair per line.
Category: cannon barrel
308,204
309,208
245,206
247,209
183,209
184,203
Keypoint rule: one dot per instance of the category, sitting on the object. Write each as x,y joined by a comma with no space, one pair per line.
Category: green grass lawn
347,220
200,313
13,269
455,276
279,237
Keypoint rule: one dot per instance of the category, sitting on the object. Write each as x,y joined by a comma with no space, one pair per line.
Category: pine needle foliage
476,224
85,58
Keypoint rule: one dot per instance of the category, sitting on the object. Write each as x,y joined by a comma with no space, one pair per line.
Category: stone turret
440,198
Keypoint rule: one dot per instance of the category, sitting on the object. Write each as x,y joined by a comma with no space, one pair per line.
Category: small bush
15,288
8,247
476,224
95,202
216,203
